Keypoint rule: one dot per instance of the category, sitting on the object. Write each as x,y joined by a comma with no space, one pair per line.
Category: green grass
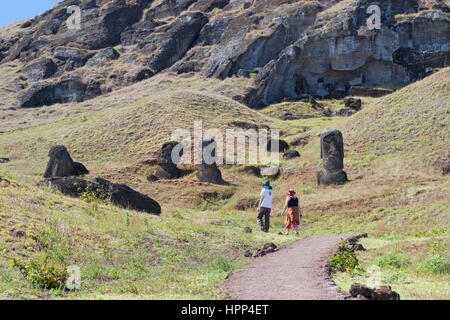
411,266
124,253
395,194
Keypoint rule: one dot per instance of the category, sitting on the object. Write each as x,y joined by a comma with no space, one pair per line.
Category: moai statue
167,169
62,165
207,168
332,153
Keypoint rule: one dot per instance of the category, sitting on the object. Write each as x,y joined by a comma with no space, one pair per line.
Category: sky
15,10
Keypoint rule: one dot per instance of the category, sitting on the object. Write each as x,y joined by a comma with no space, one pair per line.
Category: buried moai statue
207,167
167,168
61,164
332,153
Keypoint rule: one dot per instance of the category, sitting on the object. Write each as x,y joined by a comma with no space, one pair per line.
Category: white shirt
268,196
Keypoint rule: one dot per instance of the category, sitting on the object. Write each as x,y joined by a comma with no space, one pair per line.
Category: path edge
326,269
328,272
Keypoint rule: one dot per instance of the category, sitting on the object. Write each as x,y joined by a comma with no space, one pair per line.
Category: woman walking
294,213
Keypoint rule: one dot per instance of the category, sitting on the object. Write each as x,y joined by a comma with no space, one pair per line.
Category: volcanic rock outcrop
292,48
40,70
339,50
332,153
61,164
207,168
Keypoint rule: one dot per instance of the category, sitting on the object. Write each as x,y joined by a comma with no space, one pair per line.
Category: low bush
42,274
391,260
437,264
345,260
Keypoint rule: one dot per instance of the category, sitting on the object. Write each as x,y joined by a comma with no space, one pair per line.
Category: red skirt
292,217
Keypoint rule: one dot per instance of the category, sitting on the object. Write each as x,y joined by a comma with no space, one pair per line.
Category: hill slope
395,193
114,93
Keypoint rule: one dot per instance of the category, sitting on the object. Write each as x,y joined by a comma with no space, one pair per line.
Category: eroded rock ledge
292,48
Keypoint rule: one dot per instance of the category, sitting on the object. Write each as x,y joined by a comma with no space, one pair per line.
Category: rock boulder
353,103
291,155
64,90
40,70
377,293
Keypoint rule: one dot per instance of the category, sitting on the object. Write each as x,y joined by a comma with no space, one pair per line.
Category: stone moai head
207,168
166,153
332,150
169,157
208,152
60,163
59,153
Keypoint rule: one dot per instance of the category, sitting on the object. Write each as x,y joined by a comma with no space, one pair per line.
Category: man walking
265,206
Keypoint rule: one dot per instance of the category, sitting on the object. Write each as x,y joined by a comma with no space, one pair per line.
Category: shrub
345,260
93,196
42,274
392,260
437,264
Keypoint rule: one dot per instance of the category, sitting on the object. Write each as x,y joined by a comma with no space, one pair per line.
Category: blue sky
15,10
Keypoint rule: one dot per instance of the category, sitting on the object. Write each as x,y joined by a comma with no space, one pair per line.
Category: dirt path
296,272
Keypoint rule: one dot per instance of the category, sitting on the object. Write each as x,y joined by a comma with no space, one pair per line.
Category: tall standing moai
332,153
207,168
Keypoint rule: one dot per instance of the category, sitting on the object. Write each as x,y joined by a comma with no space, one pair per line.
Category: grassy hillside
396,194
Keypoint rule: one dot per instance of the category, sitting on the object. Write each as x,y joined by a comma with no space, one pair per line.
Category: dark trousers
264,213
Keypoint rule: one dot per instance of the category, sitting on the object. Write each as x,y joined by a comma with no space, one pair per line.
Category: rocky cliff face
293,48
340,51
